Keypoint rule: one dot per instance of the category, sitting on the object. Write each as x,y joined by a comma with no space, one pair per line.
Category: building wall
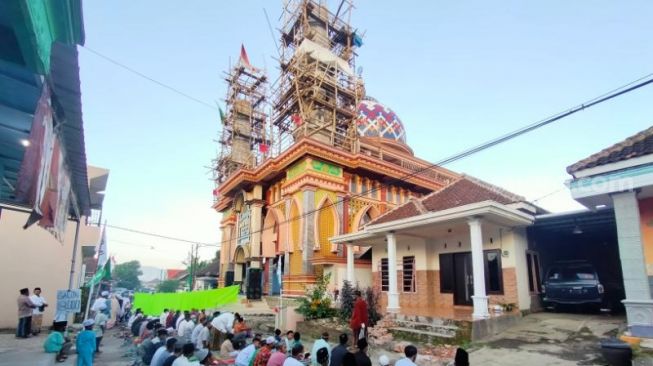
34,258
511,241
646,225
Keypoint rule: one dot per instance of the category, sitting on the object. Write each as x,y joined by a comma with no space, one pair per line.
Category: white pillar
638,303
478,269
393,291
350,264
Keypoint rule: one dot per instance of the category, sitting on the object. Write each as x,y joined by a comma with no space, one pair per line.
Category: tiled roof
173,273
637,145
462,192
213,269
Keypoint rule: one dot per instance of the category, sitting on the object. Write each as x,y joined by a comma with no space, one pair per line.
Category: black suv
572,282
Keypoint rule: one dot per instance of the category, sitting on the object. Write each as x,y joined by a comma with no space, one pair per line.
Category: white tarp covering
323,55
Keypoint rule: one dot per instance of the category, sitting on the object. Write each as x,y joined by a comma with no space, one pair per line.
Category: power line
151,79
163,236
631,86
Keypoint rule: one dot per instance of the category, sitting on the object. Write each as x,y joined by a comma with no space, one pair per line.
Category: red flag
263,148
297,119
244,59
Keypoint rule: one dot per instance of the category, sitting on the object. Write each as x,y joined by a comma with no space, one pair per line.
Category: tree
126,275
316,304
347,298
168,286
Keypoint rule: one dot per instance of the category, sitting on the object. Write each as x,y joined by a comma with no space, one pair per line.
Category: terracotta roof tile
637,145
466,190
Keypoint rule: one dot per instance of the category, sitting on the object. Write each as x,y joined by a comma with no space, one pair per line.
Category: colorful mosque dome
376,120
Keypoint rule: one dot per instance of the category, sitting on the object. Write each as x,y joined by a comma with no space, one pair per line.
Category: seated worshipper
240,327
264,353
246,354
164,352
203,356
163,317
227,349
297,339
185,328
297,355
187,356
147,327
322,357
150,346
85,344
279,355
462,357
196,333
99,327
132,318
289,340
277,335
319,344
362,359
171,359
204,336
384,360
349,360
339,351
57,343
410,352
178,317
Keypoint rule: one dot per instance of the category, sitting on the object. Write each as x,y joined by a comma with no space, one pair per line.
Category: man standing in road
25,308
359,319
37,312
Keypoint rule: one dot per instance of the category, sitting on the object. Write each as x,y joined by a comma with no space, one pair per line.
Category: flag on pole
223,118
264,148
244,59
103,271
297,119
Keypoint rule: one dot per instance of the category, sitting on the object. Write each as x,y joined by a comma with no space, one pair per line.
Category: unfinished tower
317,92
243,141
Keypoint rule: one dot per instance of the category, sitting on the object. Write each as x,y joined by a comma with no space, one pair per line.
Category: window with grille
409,273
385,282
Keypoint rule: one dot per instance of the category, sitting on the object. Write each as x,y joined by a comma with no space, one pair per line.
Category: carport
581,235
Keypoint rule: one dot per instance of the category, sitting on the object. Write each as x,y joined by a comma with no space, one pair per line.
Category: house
207,278
621,177
453,253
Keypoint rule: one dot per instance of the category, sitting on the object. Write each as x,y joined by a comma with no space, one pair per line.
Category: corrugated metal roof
67,102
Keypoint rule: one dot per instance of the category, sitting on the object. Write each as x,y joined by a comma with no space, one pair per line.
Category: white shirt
183,361
160,356
320,343
244,356
292,362
224,322
204,335
405,362
99,304
196,333
38,301
163,317
185,328
179,319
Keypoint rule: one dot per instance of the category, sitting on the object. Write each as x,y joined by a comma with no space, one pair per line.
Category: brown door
463,279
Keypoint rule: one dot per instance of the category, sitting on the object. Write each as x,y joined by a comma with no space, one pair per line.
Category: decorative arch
240,254
294,240
271,235
364,216
327,224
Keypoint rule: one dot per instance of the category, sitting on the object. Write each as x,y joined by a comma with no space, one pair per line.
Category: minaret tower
317,92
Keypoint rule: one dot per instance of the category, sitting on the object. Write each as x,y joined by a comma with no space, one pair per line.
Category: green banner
104,273
153,304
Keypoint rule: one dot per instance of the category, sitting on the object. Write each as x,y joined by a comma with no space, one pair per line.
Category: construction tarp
324,55
154,304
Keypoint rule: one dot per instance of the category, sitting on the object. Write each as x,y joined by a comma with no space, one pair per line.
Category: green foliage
168,286
126,275
372,299
347,299
316,303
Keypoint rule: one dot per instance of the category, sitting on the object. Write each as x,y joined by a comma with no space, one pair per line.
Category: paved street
549,339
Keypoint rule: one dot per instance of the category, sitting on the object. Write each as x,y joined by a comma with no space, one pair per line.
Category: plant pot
616,352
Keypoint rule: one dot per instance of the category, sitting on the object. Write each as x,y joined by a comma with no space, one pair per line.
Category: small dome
376,120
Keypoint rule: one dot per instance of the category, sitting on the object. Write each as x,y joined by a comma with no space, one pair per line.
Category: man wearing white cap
384,360
264,352
100,304
86,344
318,345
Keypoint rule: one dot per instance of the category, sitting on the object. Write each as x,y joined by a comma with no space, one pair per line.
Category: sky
457,73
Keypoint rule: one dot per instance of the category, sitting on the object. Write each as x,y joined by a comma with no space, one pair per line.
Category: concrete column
638,303
478,269
308,232
350,263
393,290
256,223
286,257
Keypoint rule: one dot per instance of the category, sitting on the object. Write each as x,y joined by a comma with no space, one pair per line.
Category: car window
554,274
571,273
